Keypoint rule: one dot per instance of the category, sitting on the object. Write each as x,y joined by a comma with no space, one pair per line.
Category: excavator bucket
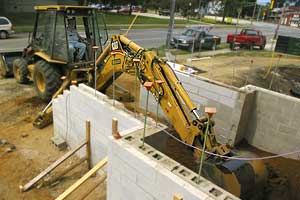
45,117
42,120
241,178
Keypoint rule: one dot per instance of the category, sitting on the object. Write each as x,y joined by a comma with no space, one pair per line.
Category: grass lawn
216,23
161,50
258,53
23,22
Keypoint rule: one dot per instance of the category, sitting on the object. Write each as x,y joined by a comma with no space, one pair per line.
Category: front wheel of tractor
46,78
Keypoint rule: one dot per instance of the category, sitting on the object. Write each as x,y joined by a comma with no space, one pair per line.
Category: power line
229,157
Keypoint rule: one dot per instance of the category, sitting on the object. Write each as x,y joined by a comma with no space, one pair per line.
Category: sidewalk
201,54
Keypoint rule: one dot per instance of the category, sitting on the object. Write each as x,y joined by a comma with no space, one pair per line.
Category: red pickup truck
247,38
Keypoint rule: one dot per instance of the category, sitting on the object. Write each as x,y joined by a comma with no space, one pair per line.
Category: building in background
293,2
290,17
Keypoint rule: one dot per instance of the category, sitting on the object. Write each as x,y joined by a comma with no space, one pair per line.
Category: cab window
250,32
44,31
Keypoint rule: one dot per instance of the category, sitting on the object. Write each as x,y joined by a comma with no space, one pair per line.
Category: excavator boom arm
123,55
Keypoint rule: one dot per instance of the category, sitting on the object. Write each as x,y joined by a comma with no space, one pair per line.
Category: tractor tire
3,67
20,70
46,78
3,35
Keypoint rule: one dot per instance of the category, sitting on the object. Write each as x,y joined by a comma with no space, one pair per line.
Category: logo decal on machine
114,45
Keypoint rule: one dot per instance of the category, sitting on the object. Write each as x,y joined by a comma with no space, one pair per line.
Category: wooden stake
50,168
83,179
114,128
88,143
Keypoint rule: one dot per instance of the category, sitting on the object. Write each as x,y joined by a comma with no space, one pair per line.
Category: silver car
6,28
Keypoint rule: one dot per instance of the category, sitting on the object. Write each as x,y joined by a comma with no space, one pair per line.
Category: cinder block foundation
134,173
265,119
147,174
74,107
273,123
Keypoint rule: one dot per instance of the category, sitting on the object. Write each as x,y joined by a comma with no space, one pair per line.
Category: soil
33,150
240,71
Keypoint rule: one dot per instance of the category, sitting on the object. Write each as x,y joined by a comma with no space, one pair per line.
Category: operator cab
52,27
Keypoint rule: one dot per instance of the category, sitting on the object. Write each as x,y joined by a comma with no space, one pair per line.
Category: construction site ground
251,68
34,151
29,150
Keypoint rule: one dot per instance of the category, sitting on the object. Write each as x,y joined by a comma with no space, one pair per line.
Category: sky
263,2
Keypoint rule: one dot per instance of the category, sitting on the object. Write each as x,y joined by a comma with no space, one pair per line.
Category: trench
283,177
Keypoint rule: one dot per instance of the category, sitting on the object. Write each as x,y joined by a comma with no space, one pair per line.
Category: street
148,38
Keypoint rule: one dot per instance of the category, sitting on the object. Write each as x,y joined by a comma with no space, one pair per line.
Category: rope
270,66
228,157
131,24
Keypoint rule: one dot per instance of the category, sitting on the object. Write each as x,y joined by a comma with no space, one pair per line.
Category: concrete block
131,157
59,143
289,131
222,91
227,101
131,191
208,94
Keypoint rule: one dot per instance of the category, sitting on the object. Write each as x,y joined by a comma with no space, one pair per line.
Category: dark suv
196,38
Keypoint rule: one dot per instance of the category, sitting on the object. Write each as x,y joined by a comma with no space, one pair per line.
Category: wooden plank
78,183
88,191
88,143
65,171
50,168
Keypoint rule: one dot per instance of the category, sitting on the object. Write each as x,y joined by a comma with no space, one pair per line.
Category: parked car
126,9
195,38
247,38
123,10
6,28
164,12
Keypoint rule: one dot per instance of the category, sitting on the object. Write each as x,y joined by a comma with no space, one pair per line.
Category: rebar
203,148
145,121
113,65
95,71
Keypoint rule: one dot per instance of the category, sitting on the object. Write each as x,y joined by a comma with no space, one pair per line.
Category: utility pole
171,23
83,2
258,14
279,22
253,14
199,9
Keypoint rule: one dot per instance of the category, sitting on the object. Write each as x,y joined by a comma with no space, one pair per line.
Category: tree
152,4
231,8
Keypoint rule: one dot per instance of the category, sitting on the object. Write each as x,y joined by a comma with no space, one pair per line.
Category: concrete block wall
274,122
74,107
134,173
229,102
146,174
